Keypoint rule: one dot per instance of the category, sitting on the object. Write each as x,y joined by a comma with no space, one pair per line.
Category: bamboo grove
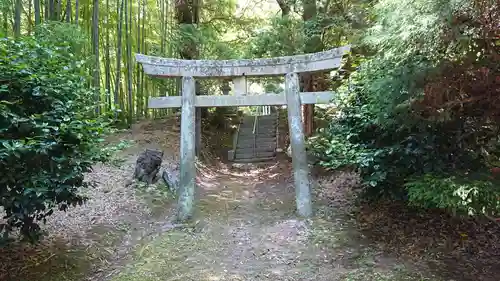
114,31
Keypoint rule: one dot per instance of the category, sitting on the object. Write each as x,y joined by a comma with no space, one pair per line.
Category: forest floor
245,228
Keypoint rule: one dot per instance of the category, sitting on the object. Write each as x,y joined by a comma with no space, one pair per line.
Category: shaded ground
459,249
245,229
90,238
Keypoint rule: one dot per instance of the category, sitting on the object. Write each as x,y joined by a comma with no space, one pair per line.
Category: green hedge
48,129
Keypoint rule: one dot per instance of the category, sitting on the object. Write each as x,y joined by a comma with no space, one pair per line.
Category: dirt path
245,228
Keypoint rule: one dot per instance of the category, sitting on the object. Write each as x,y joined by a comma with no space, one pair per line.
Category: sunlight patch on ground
177,255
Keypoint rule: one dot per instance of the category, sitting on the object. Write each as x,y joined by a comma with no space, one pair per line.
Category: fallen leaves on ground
458,248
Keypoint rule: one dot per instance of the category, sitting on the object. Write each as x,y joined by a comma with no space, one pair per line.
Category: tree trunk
17,19
68,11
37,12
288,41
144,91
59,10
128,27
285,8
77,11
6,23
5,14
46,10
118,55
162,27
313,44
108,60
138,70
95,43
30,23
51,10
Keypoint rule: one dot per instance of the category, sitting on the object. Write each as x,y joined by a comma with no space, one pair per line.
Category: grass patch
157,197
113,152
56,259
47,262
176,255
329,234
333,230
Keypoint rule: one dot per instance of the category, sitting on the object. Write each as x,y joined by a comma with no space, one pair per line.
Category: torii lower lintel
255,100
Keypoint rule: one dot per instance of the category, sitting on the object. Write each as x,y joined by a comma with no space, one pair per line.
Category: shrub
48,131
404,121
456,194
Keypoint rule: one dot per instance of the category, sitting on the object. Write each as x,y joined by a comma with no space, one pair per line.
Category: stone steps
251,155
250,145
260,135
255,160
259,146
256,150
258,139
259,127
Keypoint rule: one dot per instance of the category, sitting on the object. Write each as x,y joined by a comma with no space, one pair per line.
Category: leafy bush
453,193
48,131
403,120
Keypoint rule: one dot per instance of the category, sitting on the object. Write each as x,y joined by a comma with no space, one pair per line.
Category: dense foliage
419,119
48,131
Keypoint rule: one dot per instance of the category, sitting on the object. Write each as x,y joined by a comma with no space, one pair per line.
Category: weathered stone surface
230,155
240,86
148,165
188,153
157,66
264,99
253,154
170,176
299,161
311,159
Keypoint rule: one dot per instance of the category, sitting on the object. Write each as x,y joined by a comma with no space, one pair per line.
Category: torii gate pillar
301,173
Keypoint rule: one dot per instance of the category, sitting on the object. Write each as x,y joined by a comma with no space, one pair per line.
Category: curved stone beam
326,60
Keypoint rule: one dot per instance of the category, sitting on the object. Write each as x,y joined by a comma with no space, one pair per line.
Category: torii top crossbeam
168,67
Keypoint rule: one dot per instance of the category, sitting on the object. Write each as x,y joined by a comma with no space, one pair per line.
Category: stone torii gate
238,70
